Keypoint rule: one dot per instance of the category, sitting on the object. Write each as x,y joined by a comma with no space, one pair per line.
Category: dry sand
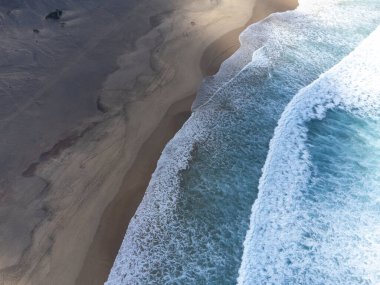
63,221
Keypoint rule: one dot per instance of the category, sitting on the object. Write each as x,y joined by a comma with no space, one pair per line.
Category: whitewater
317,217
191,227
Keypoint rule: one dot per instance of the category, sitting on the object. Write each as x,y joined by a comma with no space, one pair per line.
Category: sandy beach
78,156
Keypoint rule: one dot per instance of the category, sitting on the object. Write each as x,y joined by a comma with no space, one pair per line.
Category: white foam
270,30
276,220
251,40
143,251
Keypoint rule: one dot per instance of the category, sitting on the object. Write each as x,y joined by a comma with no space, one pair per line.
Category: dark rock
56,15
36,31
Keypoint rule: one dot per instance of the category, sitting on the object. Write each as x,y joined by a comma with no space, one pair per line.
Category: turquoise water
192,223
317,217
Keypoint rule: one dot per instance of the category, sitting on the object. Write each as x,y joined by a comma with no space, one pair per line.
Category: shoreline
108,234
69,192
65,213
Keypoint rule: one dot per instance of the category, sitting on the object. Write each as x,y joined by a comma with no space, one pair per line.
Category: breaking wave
191,224
317,217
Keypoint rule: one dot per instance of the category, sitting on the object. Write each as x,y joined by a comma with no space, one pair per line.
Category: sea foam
316,219
191,224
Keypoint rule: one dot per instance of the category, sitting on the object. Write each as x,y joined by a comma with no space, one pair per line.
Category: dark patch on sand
157,19
100,106
56,15
57,149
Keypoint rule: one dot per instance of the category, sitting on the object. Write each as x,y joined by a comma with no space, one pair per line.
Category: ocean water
317,217
191,227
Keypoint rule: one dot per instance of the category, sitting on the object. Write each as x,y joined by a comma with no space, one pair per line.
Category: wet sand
84,189
111,233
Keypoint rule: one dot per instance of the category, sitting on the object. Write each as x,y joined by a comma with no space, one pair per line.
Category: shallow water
191,225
